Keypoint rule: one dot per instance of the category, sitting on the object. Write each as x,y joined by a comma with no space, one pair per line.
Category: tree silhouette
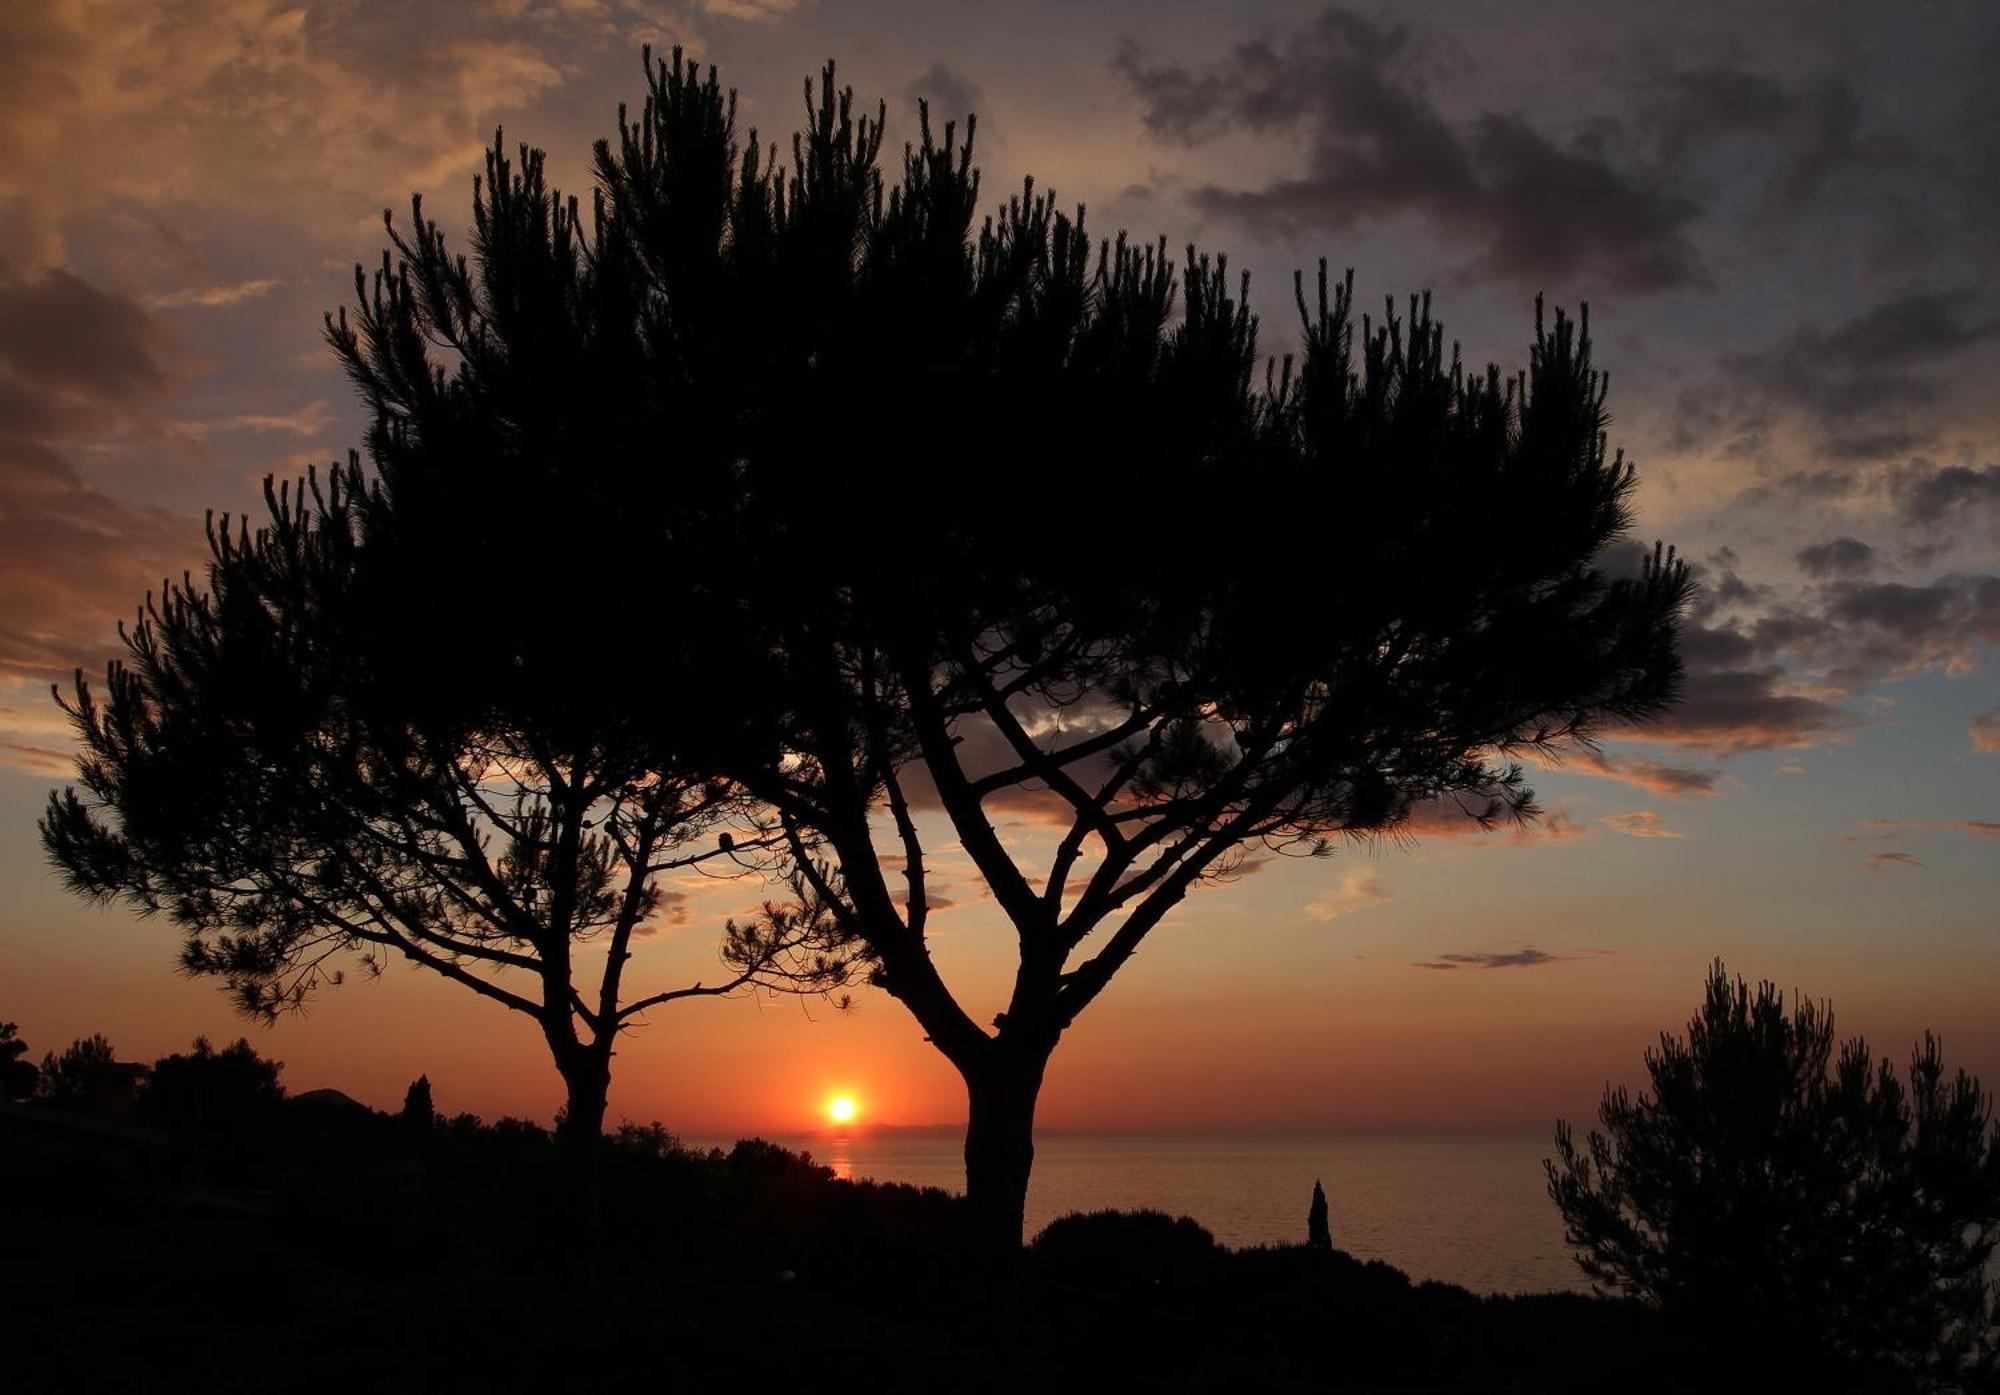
1085,562
313,758
17,1073
1791,1200
418,1113
1319,1235
219,1106
86,1077
881,532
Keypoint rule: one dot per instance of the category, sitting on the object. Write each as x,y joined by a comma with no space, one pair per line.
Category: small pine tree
418,1111
1319,1235
1793,1202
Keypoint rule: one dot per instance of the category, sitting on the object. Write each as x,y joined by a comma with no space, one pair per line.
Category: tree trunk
1000,1153
579,1139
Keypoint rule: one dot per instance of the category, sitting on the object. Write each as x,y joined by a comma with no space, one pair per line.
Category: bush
1793,1204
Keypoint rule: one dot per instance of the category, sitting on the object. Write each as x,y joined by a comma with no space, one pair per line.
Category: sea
1467,1208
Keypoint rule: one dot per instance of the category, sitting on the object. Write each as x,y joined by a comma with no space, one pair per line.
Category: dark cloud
952,97
74,359
1808,132
676,909
1527,958
1738,697
1837,557
1883,359
1917,328
1889,629
1655,777
1695,105
61,336
1889,862
983,750
1531,205
1739,693
1930,494
1779,678
1867,390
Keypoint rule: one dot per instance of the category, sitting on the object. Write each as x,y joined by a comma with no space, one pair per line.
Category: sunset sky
1785,218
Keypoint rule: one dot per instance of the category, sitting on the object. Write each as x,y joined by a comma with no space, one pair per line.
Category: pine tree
1793,1202
418,1112
784,493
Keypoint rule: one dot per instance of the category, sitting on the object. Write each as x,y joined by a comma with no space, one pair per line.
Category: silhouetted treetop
1793,1200
951,512
87,1076
17,1073
418,1110
807,506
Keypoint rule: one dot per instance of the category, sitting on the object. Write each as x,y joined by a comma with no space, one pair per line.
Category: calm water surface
1465,1208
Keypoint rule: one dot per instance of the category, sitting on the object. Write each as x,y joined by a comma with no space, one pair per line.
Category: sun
842,1109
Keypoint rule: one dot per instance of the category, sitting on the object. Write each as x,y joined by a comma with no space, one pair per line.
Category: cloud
1896,828
1525,958
1531,205
1985,732
1847,557
213,297
313,419
75,561
1893,629
983,750
65,341
75,359
1357,890
755,11
1641,823
253,107
1779,676
1888,862
1655,777
676,909
1738,697
1866,386
1929,494
1806,134
951,94
1446,818
1556,826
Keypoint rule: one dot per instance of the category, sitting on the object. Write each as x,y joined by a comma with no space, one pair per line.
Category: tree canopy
298,781
17,1072
783,494
1020,522
1795,1200
87,1075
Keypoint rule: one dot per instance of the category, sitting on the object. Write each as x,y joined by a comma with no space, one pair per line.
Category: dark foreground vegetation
1777,1189
190,1226
338,1247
